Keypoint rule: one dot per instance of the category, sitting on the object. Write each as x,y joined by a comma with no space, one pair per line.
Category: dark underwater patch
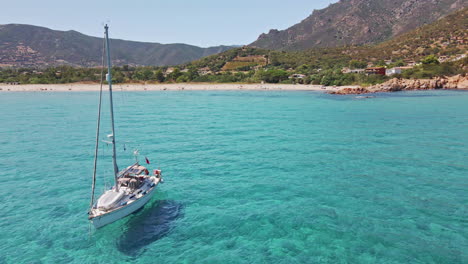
151,225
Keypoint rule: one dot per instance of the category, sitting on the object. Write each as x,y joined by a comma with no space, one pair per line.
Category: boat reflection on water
149,226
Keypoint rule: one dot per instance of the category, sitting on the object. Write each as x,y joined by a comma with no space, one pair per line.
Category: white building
392,71
204,71
459,57
297,76
169,71
397,70
348,70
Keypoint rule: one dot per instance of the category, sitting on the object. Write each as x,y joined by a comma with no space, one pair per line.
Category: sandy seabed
78,87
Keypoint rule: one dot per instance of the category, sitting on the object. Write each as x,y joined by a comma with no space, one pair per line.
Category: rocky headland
395,85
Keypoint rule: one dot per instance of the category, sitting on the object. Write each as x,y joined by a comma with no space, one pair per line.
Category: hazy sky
197,22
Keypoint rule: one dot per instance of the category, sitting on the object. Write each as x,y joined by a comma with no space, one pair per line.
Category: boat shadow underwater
149,226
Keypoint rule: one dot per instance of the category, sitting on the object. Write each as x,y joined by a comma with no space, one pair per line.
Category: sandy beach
79,87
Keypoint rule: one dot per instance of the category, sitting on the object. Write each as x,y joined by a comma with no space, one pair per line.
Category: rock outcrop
454,82
348,90
457,82
394,85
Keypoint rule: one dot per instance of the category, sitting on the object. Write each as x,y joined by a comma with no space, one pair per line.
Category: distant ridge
444,38
33,46
356,22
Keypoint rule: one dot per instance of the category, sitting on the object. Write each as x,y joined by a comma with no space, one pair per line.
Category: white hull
105,219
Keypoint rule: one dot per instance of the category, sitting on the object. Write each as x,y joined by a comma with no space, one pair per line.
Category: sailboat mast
98,127
109,80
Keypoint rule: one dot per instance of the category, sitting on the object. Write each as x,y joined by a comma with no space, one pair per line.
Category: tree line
322,70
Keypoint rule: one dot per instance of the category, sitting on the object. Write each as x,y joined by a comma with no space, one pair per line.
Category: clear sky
198,22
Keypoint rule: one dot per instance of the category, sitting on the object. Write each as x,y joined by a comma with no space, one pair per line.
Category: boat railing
122,173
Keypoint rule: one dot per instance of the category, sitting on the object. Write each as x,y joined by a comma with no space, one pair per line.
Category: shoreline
80,87
388,87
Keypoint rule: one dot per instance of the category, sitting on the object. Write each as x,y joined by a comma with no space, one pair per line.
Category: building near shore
411,63
375,70
169,71
396,70
443,58
348,70
204,71
297,76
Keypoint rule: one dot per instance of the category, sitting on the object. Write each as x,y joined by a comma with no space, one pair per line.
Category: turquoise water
250,177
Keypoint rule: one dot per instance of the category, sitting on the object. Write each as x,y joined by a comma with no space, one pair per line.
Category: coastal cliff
395,85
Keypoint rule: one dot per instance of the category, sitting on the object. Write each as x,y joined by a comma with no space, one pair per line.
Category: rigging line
97,129
90,234
109,72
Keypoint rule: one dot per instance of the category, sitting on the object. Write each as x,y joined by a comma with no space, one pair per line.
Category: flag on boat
147,160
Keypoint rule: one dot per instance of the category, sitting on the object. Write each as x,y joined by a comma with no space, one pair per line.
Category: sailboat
133,187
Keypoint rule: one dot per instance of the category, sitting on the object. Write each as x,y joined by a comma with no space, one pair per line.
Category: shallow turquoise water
251,177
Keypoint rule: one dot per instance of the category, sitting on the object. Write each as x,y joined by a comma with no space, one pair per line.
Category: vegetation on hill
431,68
32,46
271,74
445,37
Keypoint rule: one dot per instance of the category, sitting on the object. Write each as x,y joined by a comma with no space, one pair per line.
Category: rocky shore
395,85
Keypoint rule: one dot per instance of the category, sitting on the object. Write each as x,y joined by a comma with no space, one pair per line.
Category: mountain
445,38
26,45
357,22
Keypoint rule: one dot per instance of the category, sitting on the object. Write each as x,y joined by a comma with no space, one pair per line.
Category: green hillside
32,46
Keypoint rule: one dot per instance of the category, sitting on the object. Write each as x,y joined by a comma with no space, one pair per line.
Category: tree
192,73
355,64
175,74
303,69
182,78
380,63
118,77
399,63
272,76
159,76
431,59
327,80
147,74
